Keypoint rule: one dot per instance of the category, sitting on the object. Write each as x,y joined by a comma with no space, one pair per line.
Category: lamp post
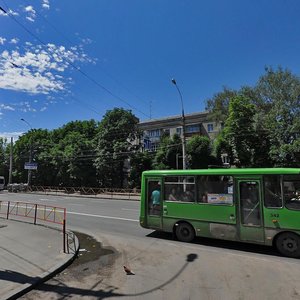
30,154
183,127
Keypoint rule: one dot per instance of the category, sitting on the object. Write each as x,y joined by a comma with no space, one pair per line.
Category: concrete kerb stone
15,294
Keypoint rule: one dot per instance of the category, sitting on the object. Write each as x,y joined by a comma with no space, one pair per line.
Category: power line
72,64
102,70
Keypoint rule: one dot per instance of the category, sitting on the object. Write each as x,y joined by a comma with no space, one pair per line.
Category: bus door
250,210
154,203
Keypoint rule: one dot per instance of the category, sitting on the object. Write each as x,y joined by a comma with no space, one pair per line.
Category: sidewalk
29,254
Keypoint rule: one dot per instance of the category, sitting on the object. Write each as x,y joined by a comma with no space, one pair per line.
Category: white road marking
130,209
100,216
50,200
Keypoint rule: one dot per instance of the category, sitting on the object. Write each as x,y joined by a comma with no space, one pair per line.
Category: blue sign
30,166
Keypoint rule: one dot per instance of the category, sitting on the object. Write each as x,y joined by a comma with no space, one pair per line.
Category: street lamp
183,127
30,154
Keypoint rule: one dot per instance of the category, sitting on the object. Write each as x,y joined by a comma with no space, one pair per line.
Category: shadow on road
238,246
65,291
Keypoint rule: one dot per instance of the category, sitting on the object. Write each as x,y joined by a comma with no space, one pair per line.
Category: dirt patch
91,250
92,266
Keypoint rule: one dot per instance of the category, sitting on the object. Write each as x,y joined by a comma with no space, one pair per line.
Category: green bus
259,205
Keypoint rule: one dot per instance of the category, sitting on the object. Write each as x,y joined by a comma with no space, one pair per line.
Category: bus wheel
288,244
185,232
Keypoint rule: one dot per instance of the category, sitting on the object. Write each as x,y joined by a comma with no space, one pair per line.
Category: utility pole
30,154
183,127
10,161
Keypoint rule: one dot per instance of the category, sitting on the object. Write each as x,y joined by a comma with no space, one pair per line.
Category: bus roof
225,171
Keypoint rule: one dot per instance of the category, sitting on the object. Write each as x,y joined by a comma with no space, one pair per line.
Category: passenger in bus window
203,198
179,193
188,196
155,198
172,196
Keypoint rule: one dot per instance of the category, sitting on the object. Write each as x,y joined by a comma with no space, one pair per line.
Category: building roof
197,117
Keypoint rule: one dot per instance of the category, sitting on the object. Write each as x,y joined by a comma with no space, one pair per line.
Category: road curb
15,294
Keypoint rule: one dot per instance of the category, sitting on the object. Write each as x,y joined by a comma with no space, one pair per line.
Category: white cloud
2,40
43,108
9,12
29,9
46,4
14,41
13,13
37,70
31,13
6,107
15,135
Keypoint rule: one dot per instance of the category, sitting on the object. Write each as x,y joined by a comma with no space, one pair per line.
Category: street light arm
26,123
183,127
175,83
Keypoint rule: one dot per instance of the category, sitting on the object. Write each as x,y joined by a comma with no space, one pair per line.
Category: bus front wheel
184,232
288,244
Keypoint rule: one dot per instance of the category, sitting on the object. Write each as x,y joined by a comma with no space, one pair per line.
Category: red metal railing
36,212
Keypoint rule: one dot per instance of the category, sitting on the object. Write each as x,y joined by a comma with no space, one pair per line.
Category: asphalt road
168,269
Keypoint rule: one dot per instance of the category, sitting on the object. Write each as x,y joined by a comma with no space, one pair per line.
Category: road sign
30,166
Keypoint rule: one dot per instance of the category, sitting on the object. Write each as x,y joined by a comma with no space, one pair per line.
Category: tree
274,122
199,151
239,131
139,162
167,156
280,91
4,157
114,144
73,153
218,105
64,155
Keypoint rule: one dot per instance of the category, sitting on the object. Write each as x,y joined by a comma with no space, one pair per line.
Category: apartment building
197,123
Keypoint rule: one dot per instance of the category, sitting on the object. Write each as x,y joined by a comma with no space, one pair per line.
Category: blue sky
130,50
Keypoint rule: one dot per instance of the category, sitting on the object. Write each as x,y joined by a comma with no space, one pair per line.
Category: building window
154,133
167,132
192,128
153,147
179,130
210,127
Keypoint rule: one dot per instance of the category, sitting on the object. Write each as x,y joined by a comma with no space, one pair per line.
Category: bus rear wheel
288,244
184,232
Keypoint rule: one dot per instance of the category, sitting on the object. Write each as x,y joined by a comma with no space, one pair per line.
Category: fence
36,212
102,192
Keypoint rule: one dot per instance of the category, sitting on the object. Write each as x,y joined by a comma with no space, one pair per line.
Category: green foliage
219,103
239,130
4,157
139,162
114,144
64,156
268,114
169,154
199,152
280,90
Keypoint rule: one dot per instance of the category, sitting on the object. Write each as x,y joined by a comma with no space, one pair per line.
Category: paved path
28,254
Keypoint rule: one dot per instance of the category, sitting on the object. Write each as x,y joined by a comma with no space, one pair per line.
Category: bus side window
273,195
214,189
291,187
